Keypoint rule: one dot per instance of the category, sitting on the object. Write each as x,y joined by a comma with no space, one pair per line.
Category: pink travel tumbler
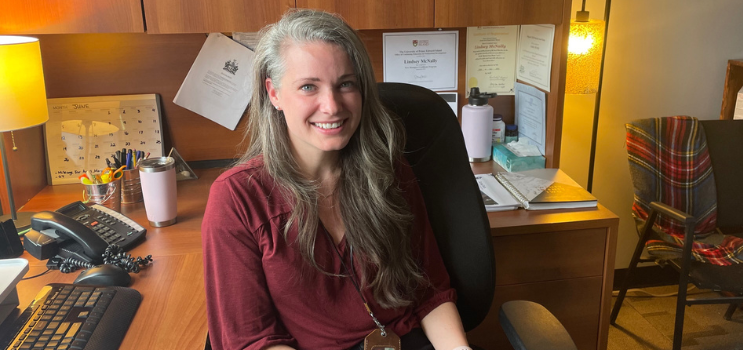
157,177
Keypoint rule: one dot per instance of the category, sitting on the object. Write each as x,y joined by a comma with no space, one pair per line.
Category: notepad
494,195
541,189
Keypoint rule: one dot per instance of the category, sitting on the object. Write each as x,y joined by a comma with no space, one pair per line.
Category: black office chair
435,150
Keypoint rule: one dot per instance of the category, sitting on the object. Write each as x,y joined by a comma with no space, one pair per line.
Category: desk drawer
549,256
575,303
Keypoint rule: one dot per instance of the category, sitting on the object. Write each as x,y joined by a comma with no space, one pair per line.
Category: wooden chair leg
731,310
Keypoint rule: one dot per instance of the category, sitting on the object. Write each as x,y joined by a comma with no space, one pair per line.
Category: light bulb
580,44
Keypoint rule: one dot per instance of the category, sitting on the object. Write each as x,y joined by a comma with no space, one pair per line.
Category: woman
322,216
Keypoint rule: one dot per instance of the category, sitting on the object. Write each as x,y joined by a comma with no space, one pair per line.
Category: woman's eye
307,88
348,84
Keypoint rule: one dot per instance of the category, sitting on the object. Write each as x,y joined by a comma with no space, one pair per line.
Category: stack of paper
495,196
11,272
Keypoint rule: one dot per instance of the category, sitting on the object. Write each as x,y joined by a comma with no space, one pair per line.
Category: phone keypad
113,227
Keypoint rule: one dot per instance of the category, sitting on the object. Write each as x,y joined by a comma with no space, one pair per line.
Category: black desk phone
83,232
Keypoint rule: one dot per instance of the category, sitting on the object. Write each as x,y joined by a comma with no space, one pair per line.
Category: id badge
375,341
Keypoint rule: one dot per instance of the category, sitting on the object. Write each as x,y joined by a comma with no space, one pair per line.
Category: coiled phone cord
113,255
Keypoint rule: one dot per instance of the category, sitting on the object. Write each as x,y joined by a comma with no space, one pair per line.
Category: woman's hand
443,327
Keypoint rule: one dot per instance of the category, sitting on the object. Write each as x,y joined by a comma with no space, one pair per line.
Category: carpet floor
647,323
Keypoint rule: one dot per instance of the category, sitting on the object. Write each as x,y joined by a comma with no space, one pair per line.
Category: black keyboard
67,316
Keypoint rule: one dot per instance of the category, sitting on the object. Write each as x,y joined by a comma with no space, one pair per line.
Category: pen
128,160
122,156
108,163
147,156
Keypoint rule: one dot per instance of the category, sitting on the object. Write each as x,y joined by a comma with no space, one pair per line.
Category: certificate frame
534,58
427,59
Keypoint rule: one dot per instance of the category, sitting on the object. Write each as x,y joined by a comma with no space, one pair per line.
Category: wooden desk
173,310
561,259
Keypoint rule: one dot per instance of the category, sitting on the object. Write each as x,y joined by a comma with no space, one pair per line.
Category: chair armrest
671,212
529,326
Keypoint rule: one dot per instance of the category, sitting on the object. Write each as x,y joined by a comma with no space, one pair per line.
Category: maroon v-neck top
260,292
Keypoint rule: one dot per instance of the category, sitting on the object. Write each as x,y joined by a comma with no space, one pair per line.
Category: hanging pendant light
585,46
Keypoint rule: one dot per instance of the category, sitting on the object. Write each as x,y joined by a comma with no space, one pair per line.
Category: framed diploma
427,59
83,131
491,58
535,55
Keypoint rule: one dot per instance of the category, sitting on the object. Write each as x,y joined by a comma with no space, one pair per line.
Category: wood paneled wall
120,64
71,16
27,166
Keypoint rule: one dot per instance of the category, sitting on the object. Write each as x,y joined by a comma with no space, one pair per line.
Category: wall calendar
82,132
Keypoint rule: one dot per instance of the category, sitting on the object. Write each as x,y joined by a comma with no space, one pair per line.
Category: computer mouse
104,275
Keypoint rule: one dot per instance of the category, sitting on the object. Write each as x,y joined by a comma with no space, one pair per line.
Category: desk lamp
22,101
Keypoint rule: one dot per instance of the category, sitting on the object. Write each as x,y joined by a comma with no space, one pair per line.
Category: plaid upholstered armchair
688,183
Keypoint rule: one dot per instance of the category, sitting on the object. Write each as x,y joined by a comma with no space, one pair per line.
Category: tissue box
511,162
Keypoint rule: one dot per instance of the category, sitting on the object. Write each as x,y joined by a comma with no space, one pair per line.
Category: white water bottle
477,126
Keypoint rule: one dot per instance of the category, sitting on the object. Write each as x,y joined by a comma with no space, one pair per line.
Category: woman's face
320,98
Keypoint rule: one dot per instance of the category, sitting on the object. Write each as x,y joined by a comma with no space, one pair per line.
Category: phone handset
93,245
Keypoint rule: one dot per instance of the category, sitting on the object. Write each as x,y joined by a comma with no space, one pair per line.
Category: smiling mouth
327,126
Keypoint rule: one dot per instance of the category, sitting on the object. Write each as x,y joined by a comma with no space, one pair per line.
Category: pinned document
219,84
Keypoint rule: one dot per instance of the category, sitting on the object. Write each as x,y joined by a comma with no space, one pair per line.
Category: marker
122,156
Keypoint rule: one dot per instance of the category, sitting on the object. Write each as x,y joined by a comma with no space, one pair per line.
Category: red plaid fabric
669,163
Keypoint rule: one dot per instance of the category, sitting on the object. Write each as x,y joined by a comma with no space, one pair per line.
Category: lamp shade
22,90
584,57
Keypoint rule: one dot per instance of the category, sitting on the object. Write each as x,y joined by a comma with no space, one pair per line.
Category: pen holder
107,195
131,191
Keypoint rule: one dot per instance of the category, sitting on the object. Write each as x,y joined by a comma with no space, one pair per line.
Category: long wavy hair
376,216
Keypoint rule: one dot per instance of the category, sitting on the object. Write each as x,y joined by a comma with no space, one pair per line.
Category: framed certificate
535,55
83,131
427,59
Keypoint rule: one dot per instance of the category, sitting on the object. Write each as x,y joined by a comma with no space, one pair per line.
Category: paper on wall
531,113
247,39
427,59
219,84
535,55
491,58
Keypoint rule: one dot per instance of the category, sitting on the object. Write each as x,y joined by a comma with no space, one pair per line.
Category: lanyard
350,275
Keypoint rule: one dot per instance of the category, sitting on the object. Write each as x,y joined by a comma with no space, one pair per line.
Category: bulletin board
83,131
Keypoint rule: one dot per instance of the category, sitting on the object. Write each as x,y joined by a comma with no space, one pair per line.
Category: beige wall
663,57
